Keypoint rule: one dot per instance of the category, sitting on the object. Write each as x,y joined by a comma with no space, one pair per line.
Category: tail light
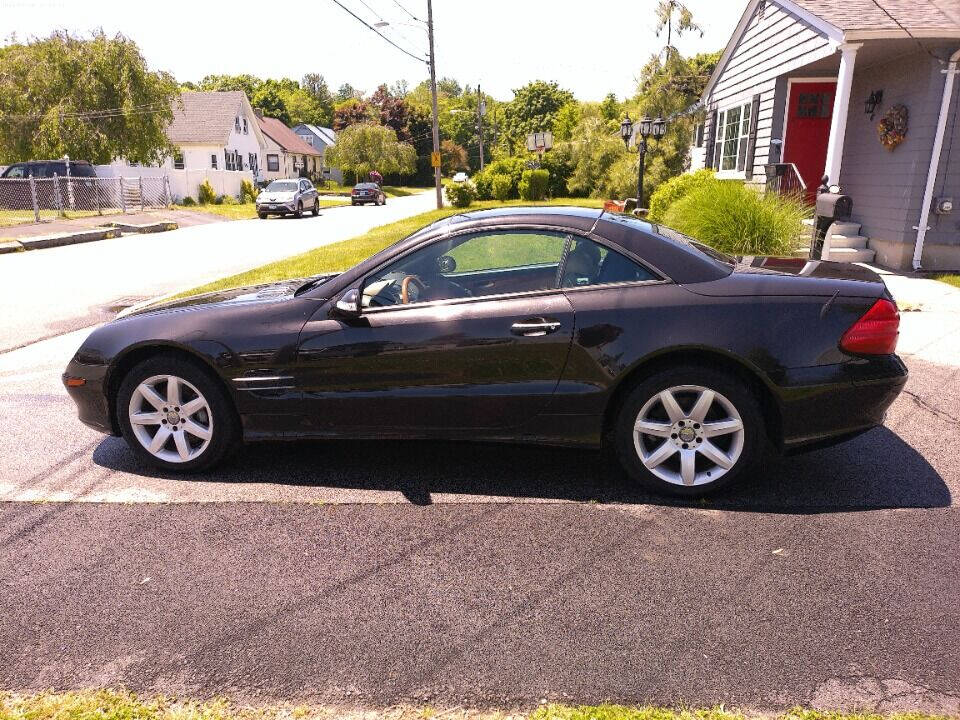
875,333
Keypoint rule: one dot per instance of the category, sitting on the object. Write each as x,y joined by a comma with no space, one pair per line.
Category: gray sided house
320,138
799,93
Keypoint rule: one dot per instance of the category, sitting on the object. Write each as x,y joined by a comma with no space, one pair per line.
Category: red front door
809,110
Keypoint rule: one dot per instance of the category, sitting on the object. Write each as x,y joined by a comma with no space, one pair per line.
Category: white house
320,138
217,138
286,154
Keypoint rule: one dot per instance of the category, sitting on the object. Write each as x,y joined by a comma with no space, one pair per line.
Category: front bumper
275,207
823,405
91,397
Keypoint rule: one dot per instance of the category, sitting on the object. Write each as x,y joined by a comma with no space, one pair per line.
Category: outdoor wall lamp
870,105
645,128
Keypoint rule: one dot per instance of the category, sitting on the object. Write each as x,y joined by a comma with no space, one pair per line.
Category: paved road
48,292
462,574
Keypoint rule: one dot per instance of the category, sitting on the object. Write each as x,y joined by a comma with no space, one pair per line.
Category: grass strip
949,279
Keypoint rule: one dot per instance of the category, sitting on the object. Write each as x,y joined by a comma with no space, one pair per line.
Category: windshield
282,186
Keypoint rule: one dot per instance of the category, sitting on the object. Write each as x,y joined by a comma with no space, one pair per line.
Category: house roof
283,136
328,135
205,117
914,15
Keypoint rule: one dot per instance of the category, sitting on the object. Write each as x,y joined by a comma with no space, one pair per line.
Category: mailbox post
830,208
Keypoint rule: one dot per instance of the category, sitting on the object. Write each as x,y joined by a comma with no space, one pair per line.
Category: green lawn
122,705
949,279
345,254
245,211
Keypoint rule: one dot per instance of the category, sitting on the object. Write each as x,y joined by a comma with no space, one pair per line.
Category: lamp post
645,128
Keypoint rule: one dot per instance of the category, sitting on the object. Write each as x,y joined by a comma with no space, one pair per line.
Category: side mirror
349,303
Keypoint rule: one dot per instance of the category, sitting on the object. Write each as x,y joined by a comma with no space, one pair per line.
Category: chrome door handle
534,329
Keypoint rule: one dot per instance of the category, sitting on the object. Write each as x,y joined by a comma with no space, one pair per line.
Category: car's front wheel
175,414
316,208
689,430
262,215
299,211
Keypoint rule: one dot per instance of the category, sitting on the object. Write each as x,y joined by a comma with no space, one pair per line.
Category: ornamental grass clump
739,220
677,187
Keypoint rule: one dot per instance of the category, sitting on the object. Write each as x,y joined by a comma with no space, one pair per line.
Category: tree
271,98
533,109
224,83
453,157
666,9
610,108
568,117
393,111
347,92
351,112
120,109
364,147
316,86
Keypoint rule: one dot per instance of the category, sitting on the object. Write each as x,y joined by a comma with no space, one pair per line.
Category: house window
244,126
252,157
178,159
309,139
698,135
730,149
273,163
236,123
213,161
814,105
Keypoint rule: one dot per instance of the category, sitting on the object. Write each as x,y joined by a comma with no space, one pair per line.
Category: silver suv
282,197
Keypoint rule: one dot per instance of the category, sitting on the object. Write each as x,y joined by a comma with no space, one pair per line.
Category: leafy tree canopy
533,109
120,109
364,147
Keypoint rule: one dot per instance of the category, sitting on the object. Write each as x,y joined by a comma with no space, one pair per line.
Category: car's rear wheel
689,431
299,211
316,207
175,415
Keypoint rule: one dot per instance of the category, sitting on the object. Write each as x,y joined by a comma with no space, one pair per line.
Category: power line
399,5
909,34
379,16
106,113
371,27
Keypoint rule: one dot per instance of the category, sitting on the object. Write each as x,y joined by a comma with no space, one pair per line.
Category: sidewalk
929,316
184,218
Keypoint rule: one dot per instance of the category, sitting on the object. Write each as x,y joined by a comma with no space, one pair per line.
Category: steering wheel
405,288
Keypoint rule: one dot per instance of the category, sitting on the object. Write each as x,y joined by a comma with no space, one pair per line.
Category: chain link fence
28,200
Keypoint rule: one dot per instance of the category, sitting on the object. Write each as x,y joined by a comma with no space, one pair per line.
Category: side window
17,171
590,263
474,265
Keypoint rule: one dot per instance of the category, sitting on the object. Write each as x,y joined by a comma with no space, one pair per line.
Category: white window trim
718,142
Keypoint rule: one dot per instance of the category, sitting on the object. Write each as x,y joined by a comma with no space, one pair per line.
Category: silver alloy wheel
688,435
170,418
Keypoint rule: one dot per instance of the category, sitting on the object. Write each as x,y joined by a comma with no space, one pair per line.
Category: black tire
262,216
299,211
353,202
316,207
225,435
732,388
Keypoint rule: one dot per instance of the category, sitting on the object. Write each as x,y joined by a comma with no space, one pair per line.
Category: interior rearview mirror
349,302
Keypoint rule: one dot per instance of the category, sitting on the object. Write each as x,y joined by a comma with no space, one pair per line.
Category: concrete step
844,228
808,222
843,254
848,241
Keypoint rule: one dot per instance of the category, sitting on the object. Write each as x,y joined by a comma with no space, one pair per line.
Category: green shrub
501,187
738,219
512,167
188,201
461,195
218,200
534,184
675,188
229,200
205,193
248,191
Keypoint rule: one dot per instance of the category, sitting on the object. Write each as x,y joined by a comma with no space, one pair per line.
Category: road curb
144,228
10,246
40,242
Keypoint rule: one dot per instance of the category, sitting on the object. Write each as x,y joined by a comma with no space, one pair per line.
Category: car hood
793,276
268,292
276,196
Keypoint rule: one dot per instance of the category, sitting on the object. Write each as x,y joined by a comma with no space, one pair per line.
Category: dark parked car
49,168
81,193
368,192
561,326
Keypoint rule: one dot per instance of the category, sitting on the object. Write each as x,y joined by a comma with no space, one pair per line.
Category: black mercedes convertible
554,325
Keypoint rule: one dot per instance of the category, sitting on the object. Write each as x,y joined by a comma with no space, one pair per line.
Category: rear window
366,186
712,253
82,171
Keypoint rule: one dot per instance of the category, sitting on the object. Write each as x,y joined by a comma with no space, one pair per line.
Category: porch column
841,105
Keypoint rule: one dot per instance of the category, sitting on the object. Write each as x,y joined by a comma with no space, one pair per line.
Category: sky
591,48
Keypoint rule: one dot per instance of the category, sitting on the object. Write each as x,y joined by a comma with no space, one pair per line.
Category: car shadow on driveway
874,471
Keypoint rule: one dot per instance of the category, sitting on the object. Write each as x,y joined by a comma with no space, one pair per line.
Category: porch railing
784,179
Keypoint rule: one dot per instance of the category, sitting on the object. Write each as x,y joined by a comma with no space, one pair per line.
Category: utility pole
480,123
433,100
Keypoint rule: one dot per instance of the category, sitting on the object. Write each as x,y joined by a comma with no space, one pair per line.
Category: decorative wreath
892,128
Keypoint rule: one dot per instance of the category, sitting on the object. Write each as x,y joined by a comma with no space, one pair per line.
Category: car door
447,360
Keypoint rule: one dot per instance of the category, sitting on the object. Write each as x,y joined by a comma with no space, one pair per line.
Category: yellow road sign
435,159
